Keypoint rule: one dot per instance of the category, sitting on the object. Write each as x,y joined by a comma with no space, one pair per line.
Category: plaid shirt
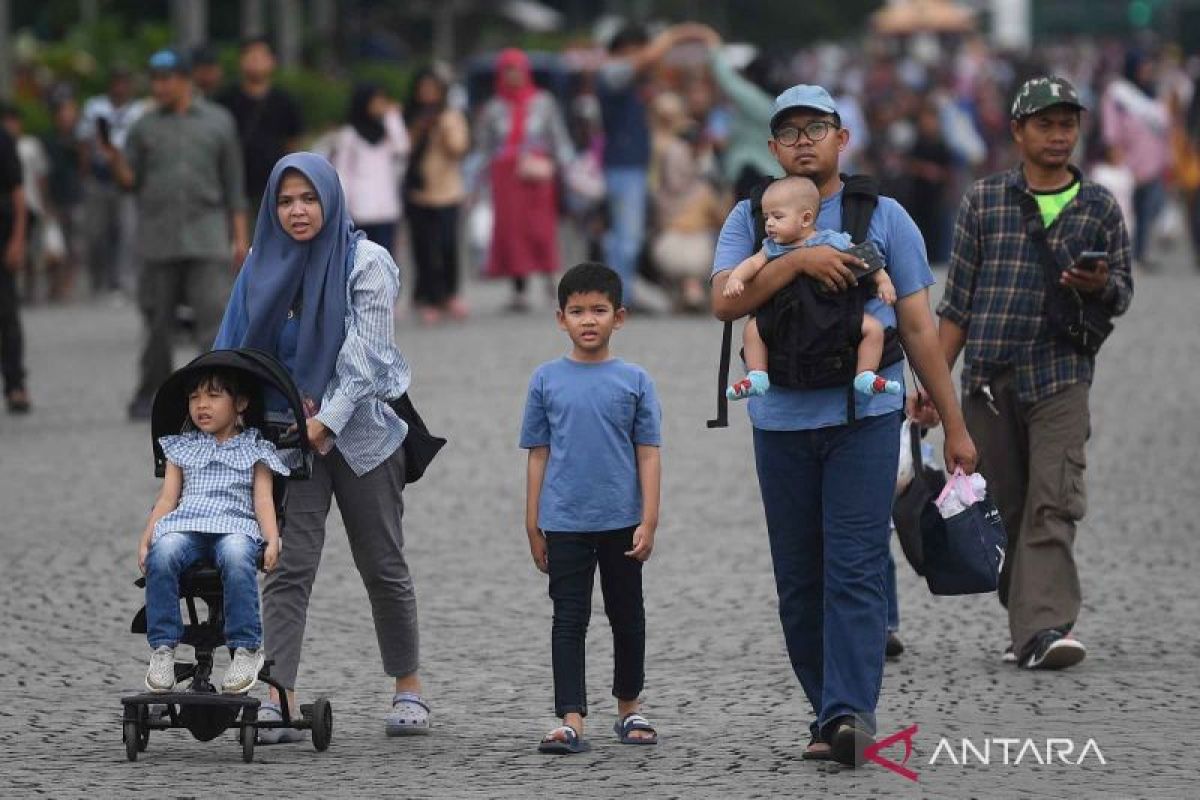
218,482
996,287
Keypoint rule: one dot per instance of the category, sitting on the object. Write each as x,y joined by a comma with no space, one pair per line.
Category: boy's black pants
573,558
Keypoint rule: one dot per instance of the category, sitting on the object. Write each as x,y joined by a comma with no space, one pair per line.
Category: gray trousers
162,285
1033,457
372,506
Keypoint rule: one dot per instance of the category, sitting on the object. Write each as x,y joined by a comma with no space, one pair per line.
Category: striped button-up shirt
370,369
996,287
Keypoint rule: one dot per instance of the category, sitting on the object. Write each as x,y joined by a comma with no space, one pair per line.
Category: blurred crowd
638,147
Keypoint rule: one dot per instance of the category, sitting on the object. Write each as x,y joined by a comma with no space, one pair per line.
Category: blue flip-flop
634,722
566,746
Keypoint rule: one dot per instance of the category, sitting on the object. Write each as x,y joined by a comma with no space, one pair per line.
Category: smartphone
103,130
1089,259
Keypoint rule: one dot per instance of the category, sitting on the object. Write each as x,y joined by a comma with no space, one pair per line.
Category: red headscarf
517,96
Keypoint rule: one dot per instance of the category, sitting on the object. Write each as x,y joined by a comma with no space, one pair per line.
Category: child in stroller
215,425
217,504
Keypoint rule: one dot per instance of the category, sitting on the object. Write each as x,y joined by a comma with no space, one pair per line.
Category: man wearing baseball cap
827,480
183,162
1028,242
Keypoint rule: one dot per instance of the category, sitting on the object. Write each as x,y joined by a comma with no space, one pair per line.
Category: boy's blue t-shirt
591,415
899,240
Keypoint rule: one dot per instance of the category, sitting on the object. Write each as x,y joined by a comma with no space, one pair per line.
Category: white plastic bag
961,491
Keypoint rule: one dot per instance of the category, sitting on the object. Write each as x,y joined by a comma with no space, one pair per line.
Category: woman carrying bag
319,296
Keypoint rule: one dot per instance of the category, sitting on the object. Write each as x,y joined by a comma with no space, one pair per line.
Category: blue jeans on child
235,555
627,189
828,499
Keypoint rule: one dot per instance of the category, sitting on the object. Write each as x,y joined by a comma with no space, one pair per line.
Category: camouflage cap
1037,94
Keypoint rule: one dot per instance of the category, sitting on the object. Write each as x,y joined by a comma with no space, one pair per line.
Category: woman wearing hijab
522,136
434,191
370,153
319,296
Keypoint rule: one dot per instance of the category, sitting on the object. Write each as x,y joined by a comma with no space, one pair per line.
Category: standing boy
1025,385
592,427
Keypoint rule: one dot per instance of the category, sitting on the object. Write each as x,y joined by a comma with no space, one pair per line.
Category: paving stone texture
76,483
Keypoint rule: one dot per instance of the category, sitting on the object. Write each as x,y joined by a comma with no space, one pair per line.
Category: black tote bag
927,483
420,446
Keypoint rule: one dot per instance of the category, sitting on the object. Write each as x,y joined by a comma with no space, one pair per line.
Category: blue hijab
279,270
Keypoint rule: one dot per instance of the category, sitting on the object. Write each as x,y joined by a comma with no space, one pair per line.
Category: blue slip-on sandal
634,722
571,743
409,715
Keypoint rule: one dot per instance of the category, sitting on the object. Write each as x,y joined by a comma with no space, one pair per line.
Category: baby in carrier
790,207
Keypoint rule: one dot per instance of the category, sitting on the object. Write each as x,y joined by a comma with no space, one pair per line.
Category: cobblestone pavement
76,483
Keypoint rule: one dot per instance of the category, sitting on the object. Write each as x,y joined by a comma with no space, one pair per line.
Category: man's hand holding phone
1090,273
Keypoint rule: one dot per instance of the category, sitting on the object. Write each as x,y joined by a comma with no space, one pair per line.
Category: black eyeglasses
815,131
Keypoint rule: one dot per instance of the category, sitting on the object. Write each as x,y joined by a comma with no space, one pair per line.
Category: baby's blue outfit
835,239
218,482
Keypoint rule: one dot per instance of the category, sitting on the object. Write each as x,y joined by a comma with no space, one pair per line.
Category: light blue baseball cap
168,60
803,96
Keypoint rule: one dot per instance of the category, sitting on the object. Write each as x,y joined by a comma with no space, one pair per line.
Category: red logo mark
906,735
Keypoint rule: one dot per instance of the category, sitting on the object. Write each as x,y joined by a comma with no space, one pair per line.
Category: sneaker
243,671
894,646
1010,656
17,401
160,677
1053,649
140,408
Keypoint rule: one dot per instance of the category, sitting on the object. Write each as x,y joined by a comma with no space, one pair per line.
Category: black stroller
200,708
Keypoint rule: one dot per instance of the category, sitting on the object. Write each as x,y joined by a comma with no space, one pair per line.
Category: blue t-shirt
903,249
591,415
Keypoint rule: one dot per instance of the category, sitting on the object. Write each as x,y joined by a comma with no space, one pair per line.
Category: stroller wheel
144,725
322,724
132,737
248,736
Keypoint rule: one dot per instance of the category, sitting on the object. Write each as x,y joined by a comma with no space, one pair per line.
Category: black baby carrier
812,336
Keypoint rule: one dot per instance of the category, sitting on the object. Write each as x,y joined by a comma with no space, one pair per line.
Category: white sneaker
243,671
160,677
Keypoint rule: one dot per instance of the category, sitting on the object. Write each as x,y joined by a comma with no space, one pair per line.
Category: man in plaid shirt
1025,388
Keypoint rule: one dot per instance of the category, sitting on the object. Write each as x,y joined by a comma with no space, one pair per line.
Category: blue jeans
235,555
828,499
627,190
893,600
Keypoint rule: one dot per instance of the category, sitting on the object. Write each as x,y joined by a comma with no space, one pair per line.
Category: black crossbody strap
1031,216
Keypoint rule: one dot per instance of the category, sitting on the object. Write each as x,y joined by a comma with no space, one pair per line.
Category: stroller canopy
170,412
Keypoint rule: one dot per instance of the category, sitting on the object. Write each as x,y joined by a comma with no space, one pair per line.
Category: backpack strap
755,197
860,198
